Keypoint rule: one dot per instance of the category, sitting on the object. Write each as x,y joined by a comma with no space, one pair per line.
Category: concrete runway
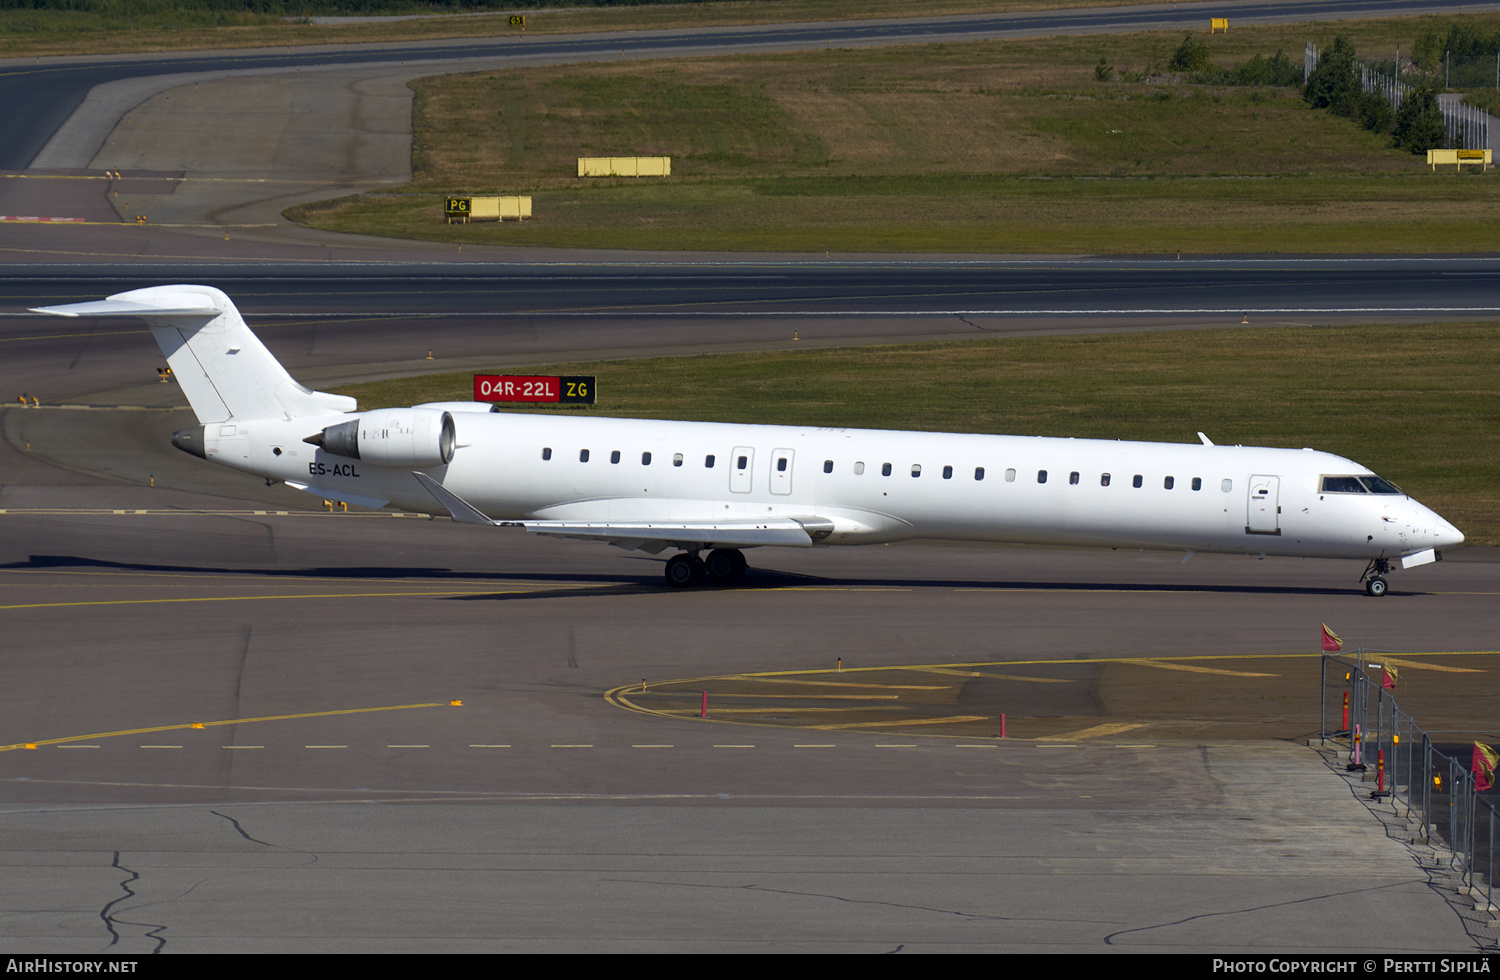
225,728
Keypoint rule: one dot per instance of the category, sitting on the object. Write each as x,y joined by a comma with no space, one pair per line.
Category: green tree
1192,55
1419,122
1334,83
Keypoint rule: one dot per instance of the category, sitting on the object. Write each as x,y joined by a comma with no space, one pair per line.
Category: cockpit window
1342,484
1377,485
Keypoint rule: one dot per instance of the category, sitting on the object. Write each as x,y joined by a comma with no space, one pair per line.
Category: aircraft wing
649,536
654,536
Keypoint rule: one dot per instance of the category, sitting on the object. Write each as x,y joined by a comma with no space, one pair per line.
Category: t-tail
223,368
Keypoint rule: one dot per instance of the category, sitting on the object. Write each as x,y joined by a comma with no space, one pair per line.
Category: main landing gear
1374,576
722,567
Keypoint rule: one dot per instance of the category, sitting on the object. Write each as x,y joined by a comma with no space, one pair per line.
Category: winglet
1206,440
460,509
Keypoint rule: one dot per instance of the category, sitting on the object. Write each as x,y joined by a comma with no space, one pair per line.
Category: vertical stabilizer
223,368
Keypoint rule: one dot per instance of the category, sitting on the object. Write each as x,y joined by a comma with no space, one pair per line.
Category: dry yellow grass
986,146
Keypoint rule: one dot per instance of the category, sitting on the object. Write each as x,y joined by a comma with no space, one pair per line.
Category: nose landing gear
1374,577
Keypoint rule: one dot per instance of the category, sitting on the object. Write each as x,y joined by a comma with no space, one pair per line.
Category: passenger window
1041,476
1137,481
916,470
744,462
781,465
1227,486
979,472
614,457
885,469
1073,478
859,469
1104,479
547,452
827,466
583,455
1168,482
677,459
1010,476
1197,483
947,472
645,459
708,462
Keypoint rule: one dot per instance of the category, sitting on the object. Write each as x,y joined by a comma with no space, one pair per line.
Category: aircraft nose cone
1447,536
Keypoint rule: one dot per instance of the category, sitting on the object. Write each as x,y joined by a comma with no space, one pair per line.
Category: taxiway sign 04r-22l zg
714,489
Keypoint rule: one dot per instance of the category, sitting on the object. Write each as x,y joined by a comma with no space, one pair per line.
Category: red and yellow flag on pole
1483,767
1331,639
1389,680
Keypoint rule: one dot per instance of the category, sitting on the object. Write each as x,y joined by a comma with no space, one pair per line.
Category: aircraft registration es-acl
700,487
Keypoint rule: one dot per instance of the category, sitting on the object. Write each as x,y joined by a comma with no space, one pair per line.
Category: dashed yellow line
214,724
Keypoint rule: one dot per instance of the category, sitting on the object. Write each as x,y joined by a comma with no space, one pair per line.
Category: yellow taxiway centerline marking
759,679
1097,731
784,697
1168,665
1418,665
954,720
215,724
247,598
693,712
620,697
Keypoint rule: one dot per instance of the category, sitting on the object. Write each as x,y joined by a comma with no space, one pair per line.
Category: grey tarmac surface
336,799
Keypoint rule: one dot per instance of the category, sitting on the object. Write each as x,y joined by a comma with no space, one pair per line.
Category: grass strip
1011,146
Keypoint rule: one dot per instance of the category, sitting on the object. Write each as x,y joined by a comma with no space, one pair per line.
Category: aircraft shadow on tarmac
595,583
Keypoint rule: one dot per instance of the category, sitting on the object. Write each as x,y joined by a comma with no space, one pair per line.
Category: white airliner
713,488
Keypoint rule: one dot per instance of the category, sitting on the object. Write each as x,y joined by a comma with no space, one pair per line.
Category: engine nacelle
392,437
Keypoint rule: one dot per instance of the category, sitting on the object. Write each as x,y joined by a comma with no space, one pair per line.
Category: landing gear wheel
1374,576
725,565
684,571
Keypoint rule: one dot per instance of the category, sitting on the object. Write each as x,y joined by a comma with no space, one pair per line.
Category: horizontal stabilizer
121,307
